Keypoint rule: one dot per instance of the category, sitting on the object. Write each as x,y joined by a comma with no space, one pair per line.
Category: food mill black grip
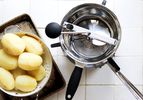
53,30
73,82
114,64
56,45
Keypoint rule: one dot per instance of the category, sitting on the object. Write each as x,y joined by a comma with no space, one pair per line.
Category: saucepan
87,52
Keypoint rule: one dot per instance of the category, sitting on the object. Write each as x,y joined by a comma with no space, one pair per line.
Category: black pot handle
56,45
73,82
116,69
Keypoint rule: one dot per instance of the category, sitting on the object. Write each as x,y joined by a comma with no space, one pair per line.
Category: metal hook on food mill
104,2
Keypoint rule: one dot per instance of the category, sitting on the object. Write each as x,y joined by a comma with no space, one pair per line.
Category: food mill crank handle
116,69
93,35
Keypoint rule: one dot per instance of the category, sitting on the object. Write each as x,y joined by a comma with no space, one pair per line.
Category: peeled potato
16,72
13,44
6,79
38,74
32,45
7,61
25,83
29,61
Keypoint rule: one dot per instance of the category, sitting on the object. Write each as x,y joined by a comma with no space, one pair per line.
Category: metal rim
76,9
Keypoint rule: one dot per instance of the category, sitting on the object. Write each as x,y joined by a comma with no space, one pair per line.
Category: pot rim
76,9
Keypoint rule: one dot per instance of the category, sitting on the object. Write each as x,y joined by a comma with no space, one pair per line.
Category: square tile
44,12
66,67
132,68
109,93
122,93
129,12
131,42
99,92
79,95
14,8
103,75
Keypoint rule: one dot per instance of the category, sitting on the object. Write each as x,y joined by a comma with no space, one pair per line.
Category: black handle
56,45
53,30
73,82
114,64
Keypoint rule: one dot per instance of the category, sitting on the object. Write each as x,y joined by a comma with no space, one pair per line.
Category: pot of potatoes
25,64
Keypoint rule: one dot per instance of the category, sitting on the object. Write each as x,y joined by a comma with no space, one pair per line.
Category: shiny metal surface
138,95
99,34
93,17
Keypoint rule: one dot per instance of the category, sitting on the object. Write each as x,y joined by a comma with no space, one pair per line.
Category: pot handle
73,82
116,69
55,45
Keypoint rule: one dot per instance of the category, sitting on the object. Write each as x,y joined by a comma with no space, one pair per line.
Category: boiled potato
13,44
29,61
0,45
16,72
38,74
6,79
32,45
25,83
7,61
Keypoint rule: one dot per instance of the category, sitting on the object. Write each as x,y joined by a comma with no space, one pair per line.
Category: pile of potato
20,62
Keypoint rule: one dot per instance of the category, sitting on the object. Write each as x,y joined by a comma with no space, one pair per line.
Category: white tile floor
96,84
